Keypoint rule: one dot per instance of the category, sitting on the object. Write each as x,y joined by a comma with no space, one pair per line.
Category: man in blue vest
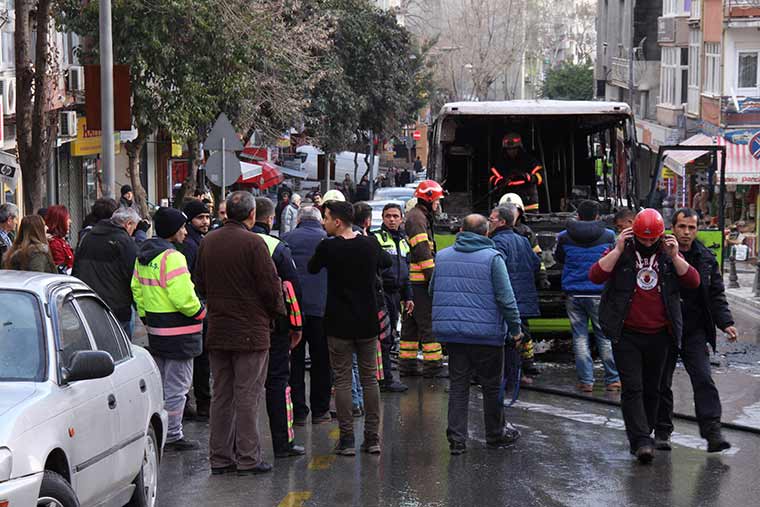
396,287
578,247
474,328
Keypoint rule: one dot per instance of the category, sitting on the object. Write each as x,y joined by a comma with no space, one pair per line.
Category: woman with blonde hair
30,250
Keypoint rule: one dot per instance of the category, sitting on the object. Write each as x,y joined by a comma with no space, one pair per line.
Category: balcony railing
621,73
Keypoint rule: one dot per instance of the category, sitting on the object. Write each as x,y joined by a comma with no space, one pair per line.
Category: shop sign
282,142
88,142
176,149
8,174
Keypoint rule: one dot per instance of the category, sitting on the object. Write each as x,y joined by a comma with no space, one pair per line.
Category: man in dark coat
704,309
303,243
105,260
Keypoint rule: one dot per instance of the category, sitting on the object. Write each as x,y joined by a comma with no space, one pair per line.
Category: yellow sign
282,142
668,174
176,149
88,142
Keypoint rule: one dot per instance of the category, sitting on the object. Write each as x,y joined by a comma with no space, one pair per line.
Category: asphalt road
571,453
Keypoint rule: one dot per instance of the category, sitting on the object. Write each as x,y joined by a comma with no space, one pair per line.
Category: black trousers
696,360
320,376
488,364
202,376
276,390
393,305
640,359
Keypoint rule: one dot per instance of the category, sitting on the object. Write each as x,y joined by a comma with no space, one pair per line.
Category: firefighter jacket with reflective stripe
419,230
294,319
396,278
166,301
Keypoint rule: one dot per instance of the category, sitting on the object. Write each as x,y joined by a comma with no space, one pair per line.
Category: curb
743,302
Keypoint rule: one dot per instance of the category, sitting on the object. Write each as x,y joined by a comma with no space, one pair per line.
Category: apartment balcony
646,73
742,13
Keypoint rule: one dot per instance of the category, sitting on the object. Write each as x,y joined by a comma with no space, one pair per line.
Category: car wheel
56,492
146,483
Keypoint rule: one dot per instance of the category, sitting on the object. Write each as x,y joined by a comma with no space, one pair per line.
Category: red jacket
61,252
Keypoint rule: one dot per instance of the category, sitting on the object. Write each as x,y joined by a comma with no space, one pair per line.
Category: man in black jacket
704,309
198,224
284,338
396,286
105,260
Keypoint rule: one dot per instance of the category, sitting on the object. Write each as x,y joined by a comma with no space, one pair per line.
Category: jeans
641,360
357,393
238,388
177,377
579,311
320,376
341,354
487,362
276,391
696,360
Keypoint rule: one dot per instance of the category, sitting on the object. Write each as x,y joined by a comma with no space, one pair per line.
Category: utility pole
107,153
631,54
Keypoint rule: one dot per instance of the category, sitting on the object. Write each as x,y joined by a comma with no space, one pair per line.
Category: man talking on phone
704,309
640,311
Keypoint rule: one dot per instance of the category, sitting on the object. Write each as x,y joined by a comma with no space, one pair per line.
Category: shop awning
741,167
676,160
268,176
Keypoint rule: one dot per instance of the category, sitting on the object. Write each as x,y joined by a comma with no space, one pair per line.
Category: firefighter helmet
511,140
428,190
411,203
512,199
648,224
333,195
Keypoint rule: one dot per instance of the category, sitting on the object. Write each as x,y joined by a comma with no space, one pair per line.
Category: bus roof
534,108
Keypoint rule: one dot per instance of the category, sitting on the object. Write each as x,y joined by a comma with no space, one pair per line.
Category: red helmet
648,224
428,190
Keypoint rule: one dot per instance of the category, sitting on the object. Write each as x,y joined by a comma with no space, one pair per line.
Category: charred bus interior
583,156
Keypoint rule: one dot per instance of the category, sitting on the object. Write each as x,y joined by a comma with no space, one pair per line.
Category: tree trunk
134,148
356,166
189,185
33,132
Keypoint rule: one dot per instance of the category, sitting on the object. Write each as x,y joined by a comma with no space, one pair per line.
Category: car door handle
143,387
111,401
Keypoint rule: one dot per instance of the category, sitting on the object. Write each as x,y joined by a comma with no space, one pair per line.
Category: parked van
344,164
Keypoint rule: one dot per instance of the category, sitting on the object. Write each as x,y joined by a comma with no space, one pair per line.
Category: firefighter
518,172
417,327
542,282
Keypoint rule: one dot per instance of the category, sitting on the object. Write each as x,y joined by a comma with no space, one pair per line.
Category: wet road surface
571,452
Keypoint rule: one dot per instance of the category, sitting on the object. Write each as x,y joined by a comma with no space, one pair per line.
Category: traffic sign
223,129
416,135
232,170
754,146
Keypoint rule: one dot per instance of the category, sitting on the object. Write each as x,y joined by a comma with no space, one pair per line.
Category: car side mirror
89,365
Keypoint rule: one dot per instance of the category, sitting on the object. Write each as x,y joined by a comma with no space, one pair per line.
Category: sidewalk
742,296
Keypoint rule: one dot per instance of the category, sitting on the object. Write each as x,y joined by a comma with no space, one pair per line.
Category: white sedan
81,409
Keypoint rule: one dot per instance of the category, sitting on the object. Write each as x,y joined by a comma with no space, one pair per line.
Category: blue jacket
522,265
578,248
473,302
303,241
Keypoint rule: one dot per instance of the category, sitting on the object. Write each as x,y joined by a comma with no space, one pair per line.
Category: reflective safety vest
165,297
289,294
387,244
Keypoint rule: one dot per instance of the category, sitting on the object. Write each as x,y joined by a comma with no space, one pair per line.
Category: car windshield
22,349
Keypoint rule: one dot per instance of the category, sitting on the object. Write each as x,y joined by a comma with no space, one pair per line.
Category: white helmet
333,195
411,203
512,199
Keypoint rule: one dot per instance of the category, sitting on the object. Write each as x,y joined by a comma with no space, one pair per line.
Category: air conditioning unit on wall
68,124
76,79
8,90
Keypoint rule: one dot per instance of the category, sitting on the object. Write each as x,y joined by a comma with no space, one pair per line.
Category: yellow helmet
334,195
512,199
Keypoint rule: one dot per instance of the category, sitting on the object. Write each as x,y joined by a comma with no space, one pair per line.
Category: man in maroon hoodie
640,312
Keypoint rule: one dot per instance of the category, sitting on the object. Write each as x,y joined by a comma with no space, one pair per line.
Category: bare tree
37,76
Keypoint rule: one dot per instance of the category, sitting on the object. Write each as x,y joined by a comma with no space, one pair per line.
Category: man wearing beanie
172,313
198,223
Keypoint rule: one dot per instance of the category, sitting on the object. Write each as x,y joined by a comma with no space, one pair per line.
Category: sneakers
321,419
716,442
345,447
393,387
509,437
457,448
370,447
261,468
613,386
181,445
585,388
293,450
662,442
645,454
